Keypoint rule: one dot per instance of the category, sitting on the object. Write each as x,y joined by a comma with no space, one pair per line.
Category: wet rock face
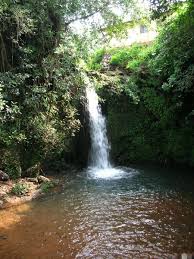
82,139
3,176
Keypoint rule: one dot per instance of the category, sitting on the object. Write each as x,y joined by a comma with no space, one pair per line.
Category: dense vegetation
40,79
150,94
41,82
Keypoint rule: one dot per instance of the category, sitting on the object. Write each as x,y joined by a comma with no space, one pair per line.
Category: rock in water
3,176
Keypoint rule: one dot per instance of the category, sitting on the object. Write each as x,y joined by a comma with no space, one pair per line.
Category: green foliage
45,187
40,85
122,56
96,60
10,163
129,58
19,189
40,77
162,8
173,50
152,119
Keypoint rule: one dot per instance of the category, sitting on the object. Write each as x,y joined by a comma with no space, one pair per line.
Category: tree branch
82,17
88,15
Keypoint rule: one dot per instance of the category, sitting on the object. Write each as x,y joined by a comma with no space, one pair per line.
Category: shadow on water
143,213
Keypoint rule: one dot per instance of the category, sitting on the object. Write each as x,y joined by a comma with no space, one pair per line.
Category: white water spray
99,154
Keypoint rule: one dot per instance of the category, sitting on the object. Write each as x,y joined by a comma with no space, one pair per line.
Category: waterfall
99,153
99,161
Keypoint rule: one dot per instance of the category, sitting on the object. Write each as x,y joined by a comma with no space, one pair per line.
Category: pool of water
126,213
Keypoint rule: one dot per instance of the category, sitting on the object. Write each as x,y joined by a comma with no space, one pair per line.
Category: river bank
16,192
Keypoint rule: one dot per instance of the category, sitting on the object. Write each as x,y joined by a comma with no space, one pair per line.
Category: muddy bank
15,192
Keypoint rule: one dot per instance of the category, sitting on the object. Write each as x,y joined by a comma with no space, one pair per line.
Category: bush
19,189
45,187
129,58
10,162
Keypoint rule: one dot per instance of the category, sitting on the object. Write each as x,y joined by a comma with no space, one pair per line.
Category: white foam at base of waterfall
107,173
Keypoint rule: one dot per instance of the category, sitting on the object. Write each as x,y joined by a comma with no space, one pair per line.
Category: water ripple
135,215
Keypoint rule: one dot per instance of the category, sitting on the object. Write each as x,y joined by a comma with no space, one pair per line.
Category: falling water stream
99,159
105,212
99,154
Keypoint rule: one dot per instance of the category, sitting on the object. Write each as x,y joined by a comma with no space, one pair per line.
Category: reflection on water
133,214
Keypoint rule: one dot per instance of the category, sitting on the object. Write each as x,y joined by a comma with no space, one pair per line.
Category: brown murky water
138,214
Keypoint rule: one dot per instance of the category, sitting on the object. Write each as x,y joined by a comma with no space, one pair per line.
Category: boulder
43,179
3,176
33,180
33,171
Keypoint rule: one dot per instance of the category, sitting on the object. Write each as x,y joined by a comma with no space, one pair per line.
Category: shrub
45,187
19,189
96,59
10,162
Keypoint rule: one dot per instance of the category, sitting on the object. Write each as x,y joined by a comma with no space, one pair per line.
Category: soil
8,199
